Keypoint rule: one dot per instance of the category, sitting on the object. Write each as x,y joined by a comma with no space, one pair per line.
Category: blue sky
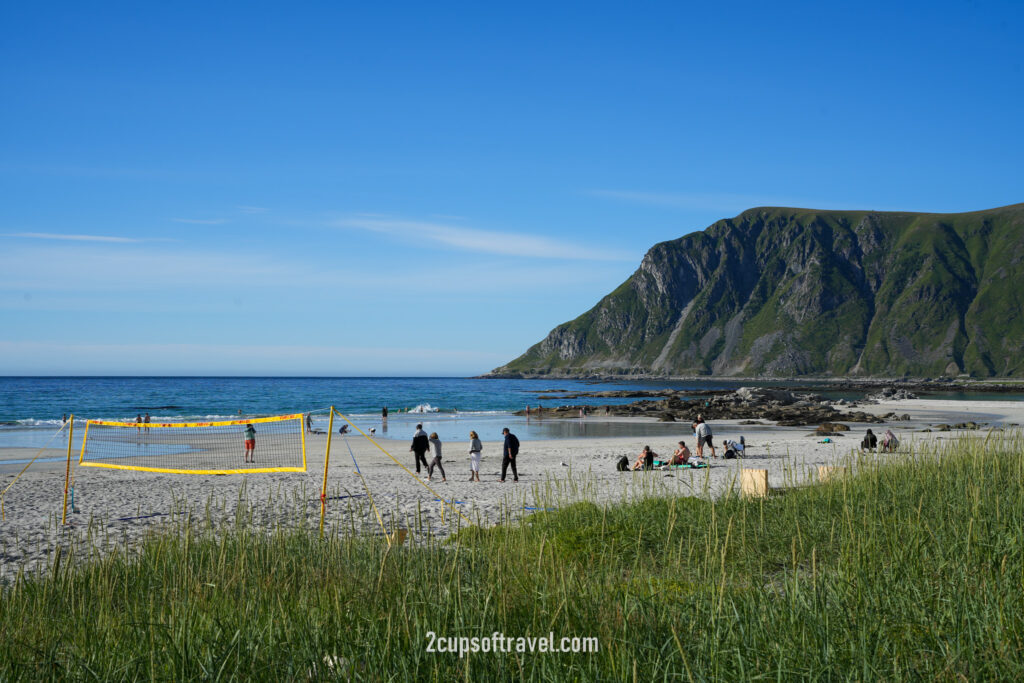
429,188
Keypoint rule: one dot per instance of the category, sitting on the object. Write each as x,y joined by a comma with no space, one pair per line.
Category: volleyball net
245,446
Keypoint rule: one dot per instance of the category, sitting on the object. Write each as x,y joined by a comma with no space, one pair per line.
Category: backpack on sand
623,464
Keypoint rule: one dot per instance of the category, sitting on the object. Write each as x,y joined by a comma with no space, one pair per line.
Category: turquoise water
31,407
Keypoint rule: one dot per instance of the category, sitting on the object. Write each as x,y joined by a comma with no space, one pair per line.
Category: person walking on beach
309,423
145,421
508,454
475,448
702,430
250,443
420,445
436,462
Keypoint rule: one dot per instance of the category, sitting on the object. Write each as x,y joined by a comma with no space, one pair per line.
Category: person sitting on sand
889,442
645,461
734,449
870,442
680,456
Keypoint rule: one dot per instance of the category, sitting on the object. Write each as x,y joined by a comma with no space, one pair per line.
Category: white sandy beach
115,507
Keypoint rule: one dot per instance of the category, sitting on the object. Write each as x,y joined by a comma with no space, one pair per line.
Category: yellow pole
327,459
67,472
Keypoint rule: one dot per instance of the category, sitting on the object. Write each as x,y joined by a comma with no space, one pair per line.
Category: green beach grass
911,569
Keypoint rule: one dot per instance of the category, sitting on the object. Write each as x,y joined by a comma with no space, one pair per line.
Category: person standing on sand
702,430
138,423
420,445
145,421
309,423
250,443
475,448
436,462
508,454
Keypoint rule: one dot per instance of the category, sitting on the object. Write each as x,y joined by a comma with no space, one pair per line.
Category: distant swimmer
250,443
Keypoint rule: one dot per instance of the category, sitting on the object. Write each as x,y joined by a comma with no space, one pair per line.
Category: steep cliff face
788,292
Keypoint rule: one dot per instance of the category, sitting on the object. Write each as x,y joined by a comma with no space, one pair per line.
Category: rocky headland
782,292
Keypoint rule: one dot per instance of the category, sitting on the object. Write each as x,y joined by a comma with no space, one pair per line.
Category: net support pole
67,472
327,459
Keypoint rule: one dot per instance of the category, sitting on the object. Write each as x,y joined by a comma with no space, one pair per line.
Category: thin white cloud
114,269
106,268
482,241
74,238
201,221
252,209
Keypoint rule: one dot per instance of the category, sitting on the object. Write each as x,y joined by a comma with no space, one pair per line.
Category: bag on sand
623,464
730,454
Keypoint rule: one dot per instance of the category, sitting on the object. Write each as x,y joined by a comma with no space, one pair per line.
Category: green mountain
787,292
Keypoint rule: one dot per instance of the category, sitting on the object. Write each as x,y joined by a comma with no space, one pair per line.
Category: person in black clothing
420,445
508,454
870,442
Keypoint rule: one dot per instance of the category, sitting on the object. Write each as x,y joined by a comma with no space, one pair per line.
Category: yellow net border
299,417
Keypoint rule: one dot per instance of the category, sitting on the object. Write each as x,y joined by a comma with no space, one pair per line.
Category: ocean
31,408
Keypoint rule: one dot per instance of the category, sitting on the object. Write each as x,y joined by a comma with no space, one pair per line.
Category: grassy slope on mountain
791,291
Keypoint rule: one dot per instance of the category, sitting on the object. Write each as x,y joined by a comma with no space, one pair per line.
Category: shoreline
802,383
127,505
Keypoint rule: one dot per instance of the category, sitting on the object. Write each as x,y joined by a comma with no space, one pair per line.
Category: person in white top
702,430
475,448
